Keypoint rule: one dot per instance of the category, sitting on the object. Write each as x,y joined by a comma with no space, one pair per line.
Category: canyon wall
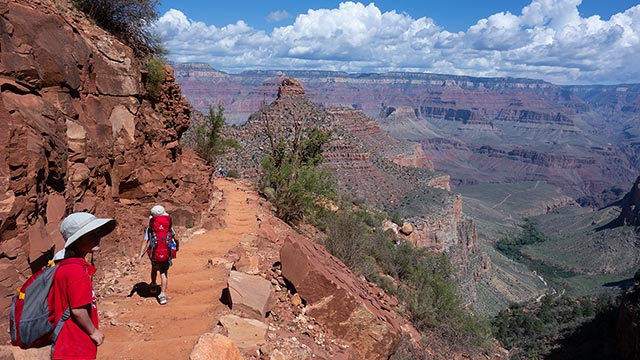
369,165
79,133
579,138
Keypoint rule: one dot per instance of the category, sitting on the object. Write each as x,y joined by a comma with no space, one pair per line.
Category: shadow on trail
144,290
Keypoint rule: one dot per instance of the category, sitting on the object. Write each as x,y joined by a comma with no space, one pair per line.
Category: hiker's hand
139,258
97,337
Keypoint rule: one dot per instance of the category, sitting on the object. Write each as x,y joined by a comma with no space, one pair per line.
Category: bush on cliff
209,142
129,20
292,178
155,77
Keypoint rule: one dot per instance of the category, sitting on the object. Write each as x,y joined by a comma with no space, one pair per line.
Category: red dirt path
140,328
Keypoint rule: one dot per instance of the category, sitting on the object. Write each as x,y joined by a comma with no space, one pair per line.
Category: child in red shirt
72,287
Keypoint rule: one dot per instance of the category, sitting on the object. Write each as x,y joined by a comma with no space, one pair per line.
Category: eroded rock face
452,232
336,299
367,163
630,214
78,133
537,126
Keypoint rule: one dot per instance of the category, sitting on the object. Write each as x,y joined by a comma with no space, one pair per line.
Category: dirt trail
139,328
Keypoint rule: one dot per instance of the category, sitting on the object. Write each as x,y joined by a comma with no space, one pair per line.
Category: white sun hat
158,210
78,224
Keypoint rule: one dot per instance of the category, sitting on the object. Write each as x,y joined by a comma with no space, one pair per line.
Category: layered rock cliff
367,164
591,128
79,133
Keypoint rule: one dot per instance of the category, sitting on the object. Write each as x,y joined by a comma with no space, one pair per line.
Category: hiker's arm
144,245
82,318
143,249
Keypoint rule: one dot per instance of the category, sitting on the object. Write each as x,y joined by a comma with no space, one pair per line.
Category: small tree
209,142
291,173
129,20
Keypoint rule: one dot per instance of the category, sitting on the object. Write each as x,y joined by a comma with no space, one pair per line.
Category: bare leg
154,275
164,282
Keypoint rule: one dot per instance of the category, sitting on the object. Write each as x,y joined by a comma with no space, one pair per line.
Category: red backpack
161,244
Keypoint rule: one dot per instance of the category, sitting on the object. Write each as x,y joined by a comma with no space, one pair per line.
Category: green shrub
155,77
292,171
396,219
348,240
129,20
209,142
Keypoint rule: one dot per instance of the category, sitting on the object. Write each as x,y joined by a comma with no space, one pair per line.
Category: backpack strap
54,337
65,316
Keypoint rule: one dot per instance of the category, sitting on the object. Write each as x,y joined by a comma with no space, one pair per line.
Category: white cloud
547,40
278,16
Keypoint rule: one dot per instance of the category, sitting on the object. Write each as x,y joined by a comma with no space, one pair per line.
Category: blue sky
562,41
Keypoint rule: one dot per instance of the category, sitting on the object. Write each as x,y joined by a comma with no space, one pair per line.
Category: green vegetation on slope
512,248
423,282
578,254
534,330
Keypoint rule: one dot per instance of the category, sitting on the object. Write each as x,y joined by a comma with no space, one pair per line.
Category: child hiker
72,293
161,246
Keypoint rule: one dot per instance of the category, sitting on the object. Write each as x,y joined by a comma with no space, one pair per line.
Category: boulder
215,346
247,333
387,224
406,228
347,307
250,293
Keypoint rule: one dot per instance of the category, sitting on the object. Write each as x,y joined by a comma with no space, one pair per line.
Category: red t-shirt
72,287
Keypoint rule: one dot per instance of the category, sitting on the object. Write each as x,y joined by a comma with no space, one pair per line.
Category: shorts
163,267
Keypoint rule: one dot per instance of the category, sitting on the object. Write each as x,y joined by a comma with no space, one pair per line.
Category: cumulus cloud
548,40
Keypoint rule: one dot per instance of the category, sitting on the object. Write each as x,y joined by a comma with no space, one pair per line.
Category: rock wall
630,214
78,133
448,230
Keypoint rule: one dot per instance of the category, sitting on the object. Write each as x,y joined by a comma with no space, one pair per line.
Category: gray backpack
29,318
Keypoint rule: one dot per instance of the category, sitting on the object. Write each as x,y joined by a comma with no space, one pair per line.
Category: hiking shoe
154,288
162,299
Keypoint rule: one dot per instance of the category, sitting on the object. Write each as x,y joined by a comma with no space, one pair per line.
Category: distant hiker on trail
161,246
223,172
72,292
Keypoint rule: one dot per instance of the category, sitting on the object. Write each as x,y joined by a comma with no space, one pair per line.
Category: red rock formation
79,134
451,232
360,159
343,304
